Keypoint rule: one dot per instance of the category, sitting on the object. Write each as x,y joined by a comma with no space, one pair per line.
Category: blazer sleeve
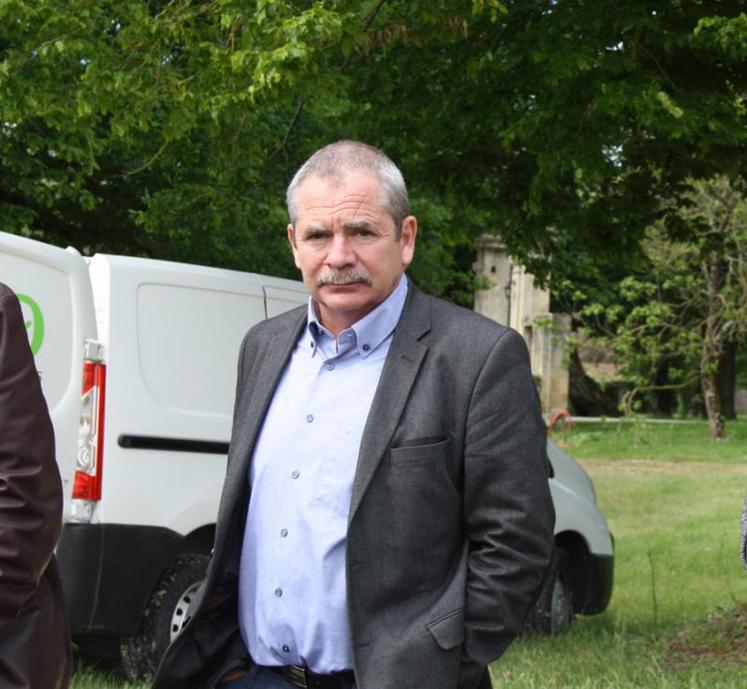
30,489
509,516
743,548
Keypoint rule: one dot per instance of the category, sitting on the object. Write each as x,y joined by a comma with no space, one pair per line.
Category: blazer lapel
397,378
256,391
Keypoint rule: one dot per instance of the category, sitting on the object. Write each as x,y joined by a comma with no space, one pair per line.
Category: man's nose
341,252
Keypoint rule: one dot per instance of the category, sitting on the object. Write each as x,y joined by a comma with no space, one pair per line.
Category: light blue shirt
292,588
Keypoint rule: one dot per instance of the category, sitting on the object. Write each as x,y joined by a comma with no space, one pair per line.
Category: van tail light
89,468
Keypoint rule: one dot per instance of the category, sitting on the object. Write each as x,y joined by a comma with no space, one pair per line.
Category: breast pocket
422,450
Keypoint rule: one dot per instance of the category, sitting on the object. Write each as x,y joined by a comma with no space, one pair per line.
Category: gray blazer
451,522
743,548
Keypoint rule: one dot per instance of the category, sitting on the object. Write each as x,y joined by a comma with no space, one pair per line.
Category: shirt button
295,473
286,648
366,347
330,367
309,417
283,532
278,592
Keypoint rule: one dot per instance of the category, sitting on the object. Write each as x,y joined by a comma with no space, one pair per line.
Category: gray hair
344,156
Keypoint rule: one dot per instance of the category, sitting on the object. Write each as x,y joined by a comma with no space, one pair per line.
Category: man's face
344,244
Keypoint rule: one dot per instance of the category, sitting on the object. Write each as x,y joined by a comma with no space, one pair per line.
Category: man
386,520
743,547
34,638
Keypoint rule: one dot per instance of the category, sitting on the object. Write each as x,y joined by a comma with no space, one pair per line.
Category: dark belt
306,679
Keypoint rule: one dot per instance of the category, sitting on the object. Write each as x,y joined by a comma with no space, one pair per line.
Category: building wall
740,401
514,300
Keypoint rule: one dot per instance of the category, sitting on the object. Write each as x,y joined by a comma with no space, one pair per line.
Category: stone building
513,299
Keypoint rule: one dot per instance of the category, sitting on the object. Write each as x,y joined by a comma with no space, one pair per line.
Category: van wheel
553,611
164,618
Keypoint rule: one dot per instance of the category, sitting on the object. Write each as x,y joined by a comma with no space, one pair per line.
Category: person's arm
509,515
30,490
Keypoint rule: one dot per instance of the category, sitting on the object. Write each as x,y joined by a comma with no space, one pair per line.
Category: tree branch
367,22
149,162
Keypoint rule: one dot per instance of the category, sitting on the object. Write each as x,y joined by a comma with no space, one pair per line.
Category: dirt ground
720,638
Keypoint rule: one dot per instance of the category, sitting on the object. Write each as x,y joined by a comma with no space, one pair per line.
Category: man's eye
363,234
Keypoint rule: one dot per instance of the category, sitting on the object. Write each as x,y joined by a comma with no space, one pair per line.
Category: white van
137,359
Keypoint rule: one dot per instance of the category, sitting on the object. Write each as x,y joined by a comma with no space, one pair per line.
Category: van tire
553,612
164,617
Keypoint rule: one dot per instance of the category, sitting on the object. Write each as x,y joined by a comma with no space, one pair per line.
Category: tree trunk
586,395
726,380
712,347
663,401
713,406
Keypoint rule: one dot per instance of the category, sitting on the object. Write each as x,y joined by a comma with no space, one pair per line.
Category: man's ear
407,240
292,242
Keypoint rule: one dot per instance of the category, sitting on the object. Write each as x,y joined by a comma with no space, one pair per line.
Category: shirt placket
296,471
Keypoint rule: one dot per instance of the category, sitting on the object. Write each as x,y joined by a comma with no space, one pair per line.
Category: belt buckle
297,675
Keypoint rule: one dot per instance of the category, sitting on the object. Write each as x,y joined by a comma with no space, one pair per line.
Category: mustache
344,277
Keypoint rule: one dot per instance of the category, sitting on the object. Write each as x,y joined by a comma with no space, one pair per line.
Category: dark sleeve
509,515
744,534
30,489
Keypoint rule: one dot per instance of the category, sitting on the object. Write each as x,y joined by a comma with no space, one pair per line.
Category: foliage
151,127
680,309
170,128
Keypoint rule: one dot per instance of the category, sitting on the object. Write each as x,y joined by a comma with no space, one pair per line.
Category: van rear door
55,293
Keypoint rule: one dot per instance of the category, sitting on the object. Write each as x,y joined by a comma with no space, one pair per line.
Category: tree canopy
170,128
676,315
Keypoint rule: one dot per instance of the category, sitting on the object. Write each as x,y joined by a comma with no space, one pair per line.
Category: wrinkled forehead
342,190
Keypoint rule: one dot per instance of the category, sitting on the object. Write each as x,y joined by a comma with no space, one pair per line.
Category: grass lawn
96,675
678,616
686,441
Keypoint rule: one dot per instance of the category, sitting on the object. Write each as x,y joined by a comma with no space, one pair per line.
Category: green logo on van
36,325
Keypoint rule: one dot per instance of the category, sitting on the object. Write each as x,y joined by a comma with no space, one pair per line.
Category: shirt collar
367,333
